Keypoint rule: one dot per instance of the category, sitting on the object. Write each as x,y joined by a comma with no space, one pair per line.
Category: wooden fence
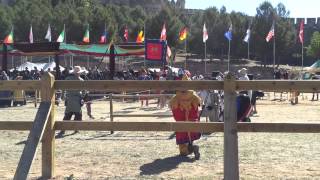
43,128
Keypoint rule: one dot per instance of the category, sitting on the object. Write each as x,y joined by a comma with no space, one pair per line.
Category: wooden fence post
48,140
231,160
111,110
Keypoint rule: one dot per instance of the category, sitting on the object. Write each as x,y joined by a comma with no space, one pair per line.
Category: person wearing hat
74,100
243,75
184,106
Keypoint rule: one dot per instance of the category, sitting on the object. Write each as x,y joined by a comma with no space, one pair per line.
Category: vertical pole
48,140
205,57
274,50
302,53
111,110
57,61
185,48
88,63
144,34
5,57
229,57
231,160
112,61
248,49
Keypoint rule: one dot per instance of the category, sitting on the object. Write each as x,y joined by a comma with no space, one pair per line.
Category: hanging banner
155,50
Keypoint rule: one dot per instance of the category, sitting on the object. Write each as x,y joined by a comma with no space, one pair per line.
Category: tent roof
27,49
316,64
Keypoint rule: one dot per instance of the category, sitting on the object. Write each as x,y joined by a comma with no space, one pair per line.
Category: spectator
144,76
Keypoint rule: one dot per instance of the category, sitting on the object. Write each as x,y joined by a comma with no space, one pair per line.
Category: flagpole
274,51
229,57
302,53
274,45
205,57
144,34
185,48
248,49
65,41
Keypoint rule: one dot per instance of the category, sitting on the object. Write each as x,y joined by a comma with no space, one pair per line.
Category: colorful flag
228,34
103,38
205,33
271,33
31,35
163,35
247,38
183,34
61,36
48,35
126,34
86,37
140,37
169,53
9,38
301,33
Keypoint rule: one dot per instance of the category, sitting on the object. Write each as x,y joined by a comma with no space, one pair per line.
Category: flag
169,53
140,37
163,35
48,35
86,37
126,34
9,38
247,38
228,34
270,34
301,37
61,36
205,33
183,34
103,38
31,35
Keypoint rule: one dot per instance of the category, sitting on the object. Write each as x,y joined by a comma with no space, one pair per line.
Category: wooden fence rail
167,126
230,127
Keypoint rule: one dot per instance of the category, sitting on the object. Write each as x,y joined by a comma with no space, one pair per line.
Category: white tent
30,66
51,66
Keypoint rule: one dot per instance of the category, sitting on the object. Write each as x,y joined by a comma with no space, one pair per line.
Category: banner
155,50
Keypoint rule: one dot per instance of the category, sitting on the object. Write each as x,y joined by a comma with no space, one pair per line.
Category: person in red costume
184,106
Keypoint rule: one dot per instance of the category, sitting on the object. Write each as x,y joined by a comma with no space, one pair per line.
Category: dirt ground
154,155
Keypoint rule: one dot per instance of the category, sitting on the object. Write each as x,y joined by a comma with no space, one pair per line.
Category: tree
313,49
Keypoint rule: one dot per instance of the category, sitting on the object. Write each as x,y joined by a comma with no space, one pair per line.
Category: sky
297,8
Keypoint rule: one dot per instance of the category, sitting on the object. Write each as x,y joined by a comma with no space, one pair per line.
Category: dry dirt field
154,155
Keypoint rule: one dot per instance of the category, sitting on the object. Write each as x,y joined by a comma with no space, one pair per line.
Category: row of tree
77,14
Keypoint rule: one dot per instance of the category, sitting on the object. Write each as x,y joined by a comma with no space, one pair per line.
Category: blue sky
297,8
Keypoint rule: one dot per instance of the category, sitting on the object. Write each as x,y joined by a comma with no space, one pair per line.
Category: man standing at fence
74,100
184,106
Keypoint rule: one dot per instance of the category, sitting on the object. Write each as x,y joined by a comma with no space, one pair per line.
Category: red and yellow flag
140,37
9,38
183,34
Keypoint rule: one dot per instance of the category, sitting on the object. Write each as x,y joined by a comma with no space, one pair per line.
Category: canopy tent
102,49
56,49
51,66
315,67
30,66
128,49
44,66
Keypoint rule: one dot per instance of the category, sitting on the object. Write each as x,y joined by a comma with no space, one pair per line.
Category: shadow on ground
162,165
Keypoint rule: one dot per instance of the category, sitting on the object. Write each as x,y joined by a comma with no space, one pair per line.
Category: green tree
313,49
